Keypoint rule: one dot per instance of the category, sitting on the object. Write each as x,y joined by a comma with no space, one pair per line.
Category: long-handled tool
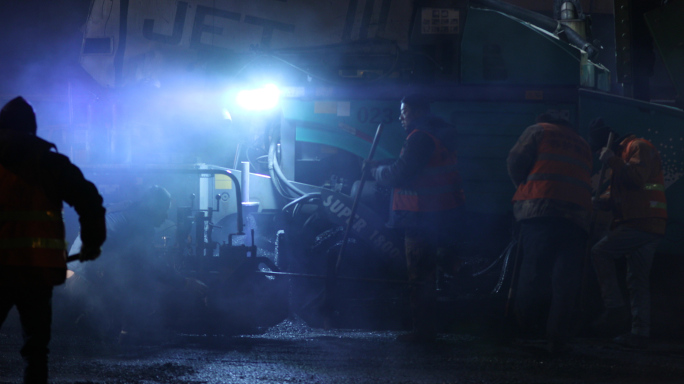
507,326
597,192
364,174
592,228
514,274
333,263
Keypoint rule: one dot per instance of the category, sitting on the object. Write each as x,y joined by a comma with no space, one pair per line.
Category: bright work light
259,99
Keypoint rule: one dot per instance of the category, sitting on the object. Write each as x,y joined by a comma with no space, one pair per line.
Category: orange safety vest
649,200
31,226
436,188
562,170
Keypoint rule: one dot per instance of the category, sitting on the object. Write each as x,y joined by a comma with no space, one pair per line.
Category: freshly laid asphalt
292,352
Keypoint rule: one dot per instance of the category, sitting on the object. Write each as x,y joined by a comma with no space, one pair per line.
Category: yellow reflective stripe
658,204
32,243
30,216
654,187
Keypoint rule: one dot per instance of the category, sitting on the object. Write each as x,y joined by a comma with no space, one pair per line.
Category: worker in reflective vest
426,203
550,165
35,181
437,188
636,197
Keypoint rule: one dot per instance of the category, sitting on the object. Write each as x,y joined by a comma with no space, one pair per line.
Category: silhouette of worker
35,182
427,203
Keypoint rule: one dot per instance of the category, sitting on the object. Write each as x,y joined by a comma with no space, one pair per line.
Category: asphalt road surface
295,353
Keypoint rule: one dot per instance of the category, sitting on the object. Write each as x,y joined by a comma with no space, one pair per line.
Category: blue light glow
259,99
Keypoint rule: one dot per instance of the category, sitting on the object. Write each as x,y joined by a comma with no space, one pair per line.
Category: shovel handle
602,173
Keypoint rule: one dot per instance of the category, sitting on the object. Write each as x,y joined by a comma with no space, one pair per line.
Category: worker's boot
612,321
36,373
632,340
423,330
423,303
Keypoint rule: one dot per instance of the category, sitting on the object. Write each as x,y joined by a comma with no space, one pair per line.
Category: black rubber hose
544,22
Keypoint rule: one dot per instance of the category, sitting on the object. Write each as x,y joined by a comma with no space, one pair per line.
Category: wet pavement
295,353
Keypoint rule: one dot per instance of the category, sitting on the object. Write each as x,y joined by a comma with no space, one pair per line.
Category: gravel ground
294,353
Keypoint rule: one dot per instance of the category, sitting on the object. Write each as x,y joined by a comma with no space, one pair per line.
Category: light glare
259,99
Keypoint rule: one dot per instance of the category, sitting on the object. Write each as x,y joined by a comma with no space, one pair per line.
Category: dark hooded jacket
32,161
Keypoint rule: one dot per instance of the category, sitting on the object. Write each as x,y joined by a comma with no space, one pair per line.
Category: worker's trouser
637,247
550,274
421,247
34,305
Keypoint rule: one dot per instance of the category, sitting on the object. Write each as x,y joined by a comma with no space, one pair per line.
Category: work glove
606,155
370,166
196,286
89,253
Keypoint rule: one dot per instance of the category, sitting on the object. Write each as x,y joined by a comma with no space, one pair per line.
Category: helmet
17,115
